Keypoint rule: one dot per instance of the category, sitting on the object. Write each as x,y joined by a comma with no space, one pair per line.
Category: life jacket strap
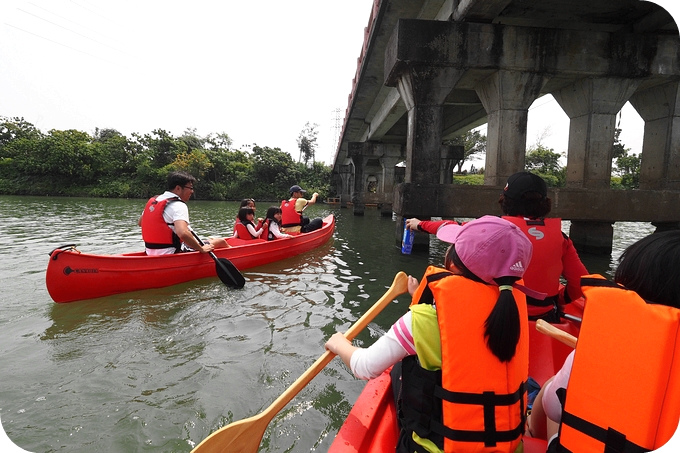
427,297
490,436
550,301
613,440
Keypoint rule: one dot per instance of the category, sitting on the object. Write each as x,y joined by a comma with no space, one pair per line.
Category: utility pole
336,122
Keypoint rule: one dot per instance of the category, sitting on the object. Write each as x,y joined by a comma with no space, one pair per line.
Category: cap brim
449,232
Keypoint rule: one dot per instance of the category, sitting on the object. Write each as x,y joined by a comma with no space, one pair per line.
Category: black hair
179,178
246,201
243,213
271,211
502,326
651,268
531,204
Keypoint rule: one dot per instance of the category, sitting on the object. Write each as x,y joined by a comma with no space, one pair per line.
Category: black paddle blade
229,274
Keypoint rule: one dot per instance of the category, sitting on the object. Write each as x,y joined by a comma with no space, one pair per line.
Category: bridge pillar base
592,237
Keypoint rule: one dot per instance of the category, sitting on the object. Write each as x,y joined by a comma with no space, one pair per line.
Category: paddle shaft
558,334
395,290
221,265
244,436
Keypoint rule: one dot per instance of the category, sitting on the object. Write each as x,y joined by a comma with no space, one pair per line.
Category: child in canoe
624,388
460,354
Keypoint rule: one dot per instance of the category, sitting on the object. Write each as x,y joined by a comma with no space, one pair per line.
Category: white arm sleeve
371,362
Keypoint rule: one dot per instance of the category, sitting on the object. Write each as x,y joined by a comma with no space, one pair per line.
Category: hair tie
505,287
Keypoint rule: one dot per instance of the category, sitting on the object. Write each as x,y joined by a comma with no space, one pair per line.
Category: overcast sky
256,70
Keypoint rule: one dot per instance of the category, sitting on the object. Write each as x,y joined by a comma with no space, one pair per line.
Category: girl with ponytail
461,352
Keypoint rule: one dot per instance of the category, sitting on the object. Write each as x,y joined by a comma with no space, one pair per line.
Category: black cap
523,182
296,188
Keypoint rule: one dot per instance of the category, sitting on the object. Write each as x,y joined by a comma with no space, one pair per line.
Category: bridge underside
441,78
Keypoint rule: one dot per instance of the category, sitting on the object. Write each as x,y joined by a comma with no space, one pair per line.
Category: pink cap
490,247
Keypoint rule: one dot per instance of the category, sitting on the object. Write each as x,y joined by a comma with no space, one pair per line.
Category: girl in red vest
525,203
245,227
460,354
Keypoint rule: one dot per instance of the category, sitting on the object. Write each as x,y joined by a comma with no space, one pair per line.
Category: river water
159,370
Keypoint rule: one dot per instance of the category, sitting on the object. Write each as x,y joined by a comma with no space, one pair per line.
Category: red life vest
544,271
624,387
481,400
289,216
242,231
156,232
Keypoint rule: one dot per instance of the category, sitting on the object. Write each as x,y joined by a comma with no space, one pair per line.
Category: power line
56,42
68,29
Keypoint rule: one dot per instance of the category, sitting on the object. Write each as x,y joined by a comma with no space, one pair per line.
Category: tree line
109,164
545,162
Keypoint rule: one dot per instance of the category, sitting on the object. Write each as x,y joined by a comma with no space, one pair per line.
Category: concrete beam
460,201
569,53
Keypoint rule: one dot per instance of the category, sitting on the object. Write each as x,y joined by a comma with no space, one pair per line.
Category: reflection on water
159,370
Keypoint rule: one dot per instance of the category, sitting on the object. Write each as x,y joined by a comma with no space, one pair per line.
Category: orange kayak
72,275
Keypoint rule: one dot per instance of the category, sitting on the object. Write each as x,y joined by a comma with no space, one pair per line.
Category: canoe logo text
68,270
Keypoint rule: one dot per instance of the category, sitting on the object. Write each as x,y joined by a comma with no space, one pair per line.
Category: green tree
545,162
307,142
626,164
162,147
275,172
473,143
317,178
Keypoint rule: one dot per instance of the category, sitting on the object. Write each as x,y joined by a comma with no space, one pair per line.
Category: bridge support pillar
389,162
592,105
507,96
660,108
592,237
423,89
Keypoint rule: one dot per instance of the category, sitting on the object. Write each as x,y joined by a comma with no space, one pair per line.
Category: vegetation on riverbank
109,164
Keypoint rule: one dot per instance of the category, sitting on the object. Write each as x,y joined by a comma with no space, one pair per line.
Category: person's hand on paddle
412,284
206,248
339,345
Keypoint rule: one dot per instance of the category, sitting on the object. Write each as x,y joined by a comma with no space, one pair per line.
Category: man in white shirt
170,232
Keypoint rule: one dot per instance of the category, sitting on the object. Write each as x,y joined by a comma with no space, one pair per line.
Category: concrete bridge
431,70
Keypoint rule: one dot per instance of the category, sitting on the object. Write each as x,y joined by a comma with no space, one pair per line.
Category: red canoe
371,425
72,275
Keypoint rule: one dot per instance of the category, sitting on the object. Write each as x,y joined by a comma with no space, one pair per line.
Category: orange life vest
624,387
482,399
289,216
156,232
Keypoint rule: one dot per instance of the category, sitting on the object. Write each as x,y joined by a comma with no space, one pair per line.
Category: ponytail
502,326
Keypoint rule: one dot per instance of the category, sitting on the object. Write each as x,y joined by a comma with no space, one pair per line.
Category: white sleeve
274,229
176,211
253,231
371,362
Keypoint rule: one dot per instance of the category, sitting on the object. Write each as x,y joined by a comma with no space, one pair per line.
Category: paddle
558,334
244,436
225,269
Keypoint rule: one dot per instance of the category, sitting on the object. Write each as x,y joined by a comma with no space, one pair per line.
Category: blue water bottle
406,240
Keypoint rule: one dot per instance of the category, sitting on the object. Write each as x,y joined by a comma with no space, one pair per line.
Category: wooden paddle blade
242,436
229,274
245,435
